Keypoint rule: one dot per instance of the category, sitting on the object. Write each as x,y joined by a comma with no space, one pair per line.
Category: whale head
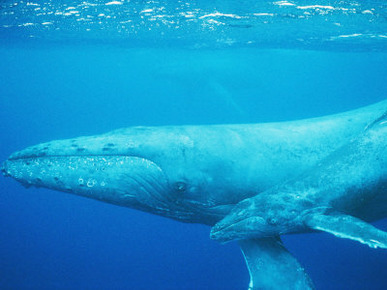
142,168
265,215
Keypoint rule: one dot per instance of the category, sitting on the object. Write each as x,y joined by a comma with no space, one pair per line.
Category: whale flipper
271,266
346,226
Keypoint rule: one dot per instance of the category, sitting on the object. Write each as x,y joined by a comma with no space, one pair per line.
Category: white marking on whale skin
371,243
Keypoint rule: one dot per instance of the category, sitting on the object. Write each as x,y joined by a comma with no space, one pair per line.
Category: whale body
250,182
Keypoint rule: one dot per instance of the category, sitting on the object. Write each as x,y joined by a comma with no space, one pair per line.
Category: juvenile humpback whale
251,182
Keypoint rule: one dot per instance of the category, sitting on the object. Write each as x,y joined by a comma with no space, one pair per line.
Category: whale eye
272,221
180,186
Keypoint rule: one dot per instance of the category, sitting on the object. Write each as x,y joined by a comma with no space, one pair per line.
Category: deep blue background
55,240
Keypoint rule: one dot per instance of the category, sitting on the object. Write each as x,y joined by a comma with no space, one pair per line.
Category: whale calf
250,182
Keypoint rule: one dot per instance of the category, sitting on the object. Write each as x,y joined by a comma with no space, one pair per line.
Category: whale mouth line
237,229
14,165
42,155
221,230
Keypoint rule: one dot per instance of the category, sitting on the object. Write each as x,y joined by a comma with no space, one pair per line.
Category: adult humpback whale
251,182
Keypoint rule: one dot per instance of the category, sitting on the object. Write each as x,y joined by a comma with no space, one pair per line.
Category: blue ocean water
147,64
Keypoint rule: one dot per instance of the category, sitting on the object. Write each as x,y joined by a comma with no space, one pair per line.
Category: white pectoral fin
346,226
271,266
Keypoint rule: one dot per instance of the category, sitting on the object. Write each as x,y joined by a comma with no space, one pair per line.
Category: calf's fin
346,226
